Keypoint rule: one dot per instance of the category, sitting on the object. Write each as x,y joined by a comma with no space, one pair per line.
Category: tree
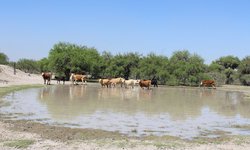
186,69
226,65
154,66
244,71
65,58
4,59
28,65
228,62
44,65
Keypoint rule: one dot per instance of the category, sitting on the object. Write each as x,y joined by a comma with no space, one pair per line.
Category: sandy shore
30,135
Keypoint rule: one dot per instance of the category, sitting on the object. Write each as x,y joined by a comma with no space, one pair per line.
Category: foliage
65,58
20,144
244,71
244,67
3,59
228,62
186,68
220,78
44,65
153,66
28,65
182,68
245,79
226,65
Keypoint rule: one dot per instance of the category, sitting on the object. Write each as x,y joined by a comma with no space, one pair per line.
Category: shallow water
182,112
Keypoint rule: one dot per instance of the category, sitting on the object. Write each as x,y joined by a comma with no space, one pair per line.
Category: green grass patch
20,144
5,90
243,127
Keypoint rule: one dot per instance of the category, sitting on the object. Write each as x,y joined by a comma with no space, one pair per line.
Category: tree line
182,68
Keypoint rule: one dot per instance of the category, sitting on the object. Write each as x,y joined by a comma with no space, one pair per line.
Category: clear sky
209,28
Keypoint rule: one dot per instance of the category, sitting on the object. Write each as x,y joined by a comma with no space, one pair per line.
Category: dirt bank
30,135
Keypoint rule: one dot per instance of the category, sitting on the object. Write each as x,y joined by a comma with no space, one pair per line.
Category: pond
175,111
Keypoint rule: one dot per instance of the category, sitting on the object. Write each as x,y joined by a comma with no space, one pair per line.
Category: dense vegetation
182,68
3,59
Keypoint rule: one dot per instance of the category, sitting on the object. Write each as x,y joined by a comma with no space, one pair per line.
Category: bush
172,81
3,59
220,78
245,79
28,66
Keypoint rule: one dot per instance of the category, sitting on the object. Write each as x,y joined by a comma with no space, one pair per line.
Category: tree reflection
179,103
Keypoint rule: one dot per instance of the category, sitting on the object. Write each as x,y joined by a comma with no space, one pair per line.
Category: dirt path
29,135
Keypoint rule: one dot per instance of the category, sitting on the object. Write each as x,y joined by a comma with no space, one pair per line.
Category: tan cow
78,77
115,81
105,82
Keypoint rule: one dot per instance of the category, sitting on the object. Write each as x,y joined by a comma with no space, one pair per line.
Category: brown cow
78,77
47,77
145,83
208,83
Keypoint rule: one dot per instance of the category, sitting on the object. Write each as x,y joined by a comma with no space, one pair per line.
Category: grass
20,144
243,127
5,90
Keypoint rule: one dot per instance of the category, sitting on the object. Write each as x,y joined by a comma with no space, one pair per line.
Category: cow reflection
206,93
144,95
46,92
77,92
110,93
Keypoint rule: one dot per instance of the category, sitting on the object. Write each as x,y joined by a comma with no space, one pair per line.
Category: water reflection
179,103
184,112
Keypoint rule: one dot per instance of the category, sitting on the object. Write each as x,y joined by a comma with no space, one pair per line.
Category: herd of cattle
113,82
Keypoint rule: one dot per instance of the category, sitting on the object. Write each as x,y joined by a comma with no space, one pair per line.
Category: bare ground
25,134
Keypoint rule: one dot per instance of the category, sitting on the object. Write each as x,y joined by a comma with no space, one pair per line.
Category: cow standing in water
154,82
105,82
47,77
59,79
78,77
115,81
145,83
208,83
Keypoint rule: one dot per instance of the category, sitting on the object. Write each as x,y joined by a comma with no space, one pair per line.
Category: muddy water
182,112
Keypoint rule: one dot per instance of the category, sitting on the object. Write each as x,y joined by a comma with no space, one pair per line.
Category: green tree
226,65
228,62
104,64
154,66
66,58
4,59
244,71
44,65
28,65
186,69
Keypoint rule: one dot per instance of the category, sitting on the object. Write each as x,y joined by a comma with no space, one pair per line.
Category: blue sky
209,28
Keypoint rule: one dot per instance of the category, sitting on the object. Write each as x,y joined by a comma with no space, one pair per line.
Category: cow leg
44,81
213,86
